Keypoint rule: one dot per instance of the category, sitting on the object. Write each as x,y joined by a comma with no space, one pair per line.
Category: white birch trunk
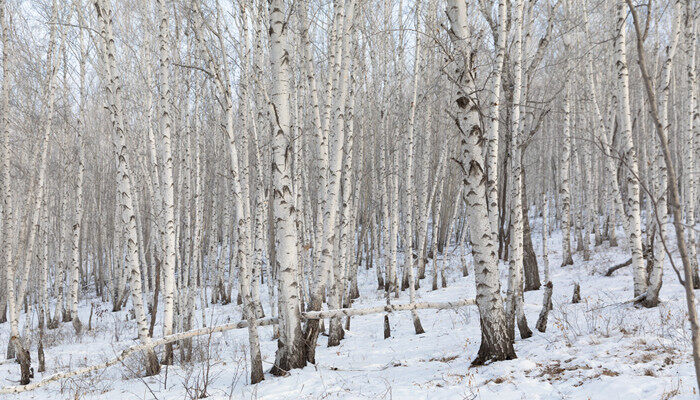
515,281
170,247
492,150
656,274
495,343
78,220
126,205
633,208
693,141
408,236
290,352
344,20
565,178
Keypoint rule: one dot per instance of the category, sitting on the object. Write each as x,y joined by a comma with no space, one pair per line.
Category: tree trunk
565,189
170,246
546,308
633,208
532,273
495,343
126,205
290,351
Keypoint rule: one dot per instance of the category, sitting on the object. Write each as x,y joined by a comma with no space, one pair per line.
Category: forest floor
601,348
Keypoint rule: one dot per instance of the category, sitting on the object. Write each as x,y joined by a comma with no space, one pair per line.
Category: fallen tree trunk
124,354
235,325
347,312
618,266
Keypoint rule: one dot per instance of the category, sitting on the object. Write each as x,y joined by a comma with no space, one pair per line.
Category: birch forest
349,199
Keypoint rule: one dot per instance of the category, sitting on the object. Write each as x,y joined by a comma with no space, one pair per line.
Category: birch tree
126,204
495,342
633,209
168,269
290,352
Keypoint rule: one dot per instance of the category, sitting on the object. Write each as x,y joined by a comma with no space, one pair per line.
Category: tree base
387,327
168,357
24,359
77,325
335,333
417,325
586,254
404,281
256,370
650,302
152,364
568,260
546,308
66,317
489,354
310,338
354,290
576,298
288,359
496,343
524,330
40,355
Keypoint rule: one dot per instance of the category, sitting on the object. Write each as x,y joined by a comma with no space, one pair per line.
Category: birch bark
515,281
565,178
408,237
656,274
495,343
633,210
168,191
290,351
126,205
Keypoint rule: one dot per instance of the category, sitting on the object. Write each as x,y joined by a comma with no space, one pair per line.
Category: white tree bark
17,297
495,343
492,150
674,202
437,209
630,153
78,220
168,196
545,234
343,23
408,236
565,178
515,280
126,205
249,283
290,352
7,214
347,238
693,141
656,274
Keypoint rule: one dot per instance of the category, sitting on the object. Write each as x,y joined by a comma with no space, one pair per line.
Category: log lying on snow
349,312
648,252
618,266
235,325
140,347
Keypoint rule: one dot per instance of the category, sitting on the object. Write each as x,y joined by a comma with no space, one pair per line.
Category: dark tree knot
463,102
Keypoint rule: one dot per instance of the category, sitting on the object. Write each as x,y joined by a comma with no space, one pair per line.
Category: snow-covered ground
601,348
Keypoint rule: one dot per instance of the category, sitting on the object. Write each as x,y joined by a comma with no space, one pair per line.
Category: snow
601,348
